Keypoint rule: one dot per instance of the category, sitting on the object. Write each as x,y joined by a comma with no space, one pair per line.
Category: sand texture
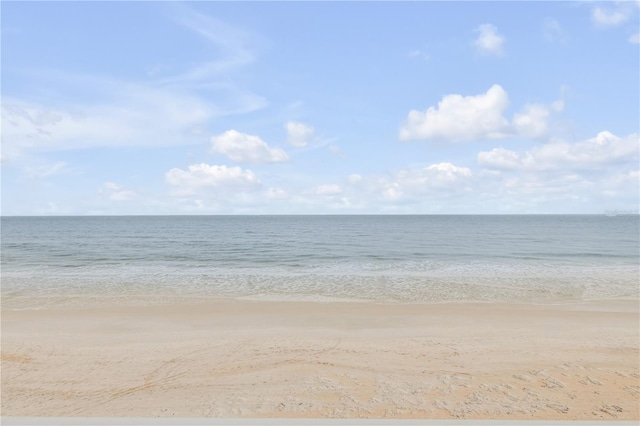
345,360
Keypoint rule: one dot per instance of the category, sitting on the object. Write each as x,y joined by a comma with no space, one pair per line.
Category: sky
138,108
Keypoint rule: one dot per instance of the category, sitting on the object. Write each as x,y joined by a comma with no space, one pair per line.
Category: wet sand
320,360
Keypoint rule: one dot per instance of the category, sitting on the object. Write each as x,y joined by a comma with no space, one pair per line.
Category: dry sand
346,360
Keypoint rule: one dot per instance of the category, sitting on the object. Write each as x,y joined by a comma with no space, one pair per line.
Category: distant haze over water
77,261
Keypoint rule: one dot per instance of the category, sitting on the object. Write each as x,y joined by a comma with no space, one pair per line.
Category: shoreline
258,359
13,303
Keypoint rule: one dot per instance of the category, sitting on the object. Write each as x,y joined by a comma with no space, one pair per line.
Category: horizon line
609,213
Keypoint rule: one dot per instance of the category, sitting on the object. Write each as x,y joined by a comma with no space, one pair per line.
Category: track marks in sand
15,357
310,376
335,383
174,369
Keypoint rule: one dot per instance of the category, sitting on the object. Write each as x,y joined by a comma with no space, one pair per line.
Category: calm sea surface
159,259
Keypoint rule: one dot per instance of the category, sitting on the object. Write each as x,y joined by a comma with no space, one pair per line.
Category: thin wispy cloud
417,53
554,32
230,46
158,112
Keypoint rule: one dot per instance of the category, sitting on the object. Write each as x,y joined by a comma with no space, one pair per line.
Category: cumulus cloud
117,192
552,179
435,176
532,122
298,134
460,117
245,148
634,39
390,192
480,117
203,176
499,159
604,149
555,177
406,185
489,42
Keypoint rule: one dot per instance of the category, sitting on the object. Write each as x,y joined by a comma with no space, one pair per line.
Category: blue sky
319,107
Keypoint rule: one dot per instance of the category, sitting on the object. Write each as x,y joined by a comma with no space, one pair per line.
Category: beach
266,359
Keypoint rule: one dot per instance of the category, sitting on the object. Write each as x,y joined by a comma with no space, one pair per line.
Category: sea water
50,261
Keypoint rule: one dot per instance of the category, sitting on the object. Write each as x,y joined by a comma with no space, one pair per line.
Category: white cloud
557,177
298,134
618,185
634,39
419,54
164,111
205,176
245,148
117,192
276,194
532,122
328,189
603,150
135,115
354,178
489,42
448,171
549,179
460,118
463,118
397,190
407,186
499,159
435,176
553,178
610,17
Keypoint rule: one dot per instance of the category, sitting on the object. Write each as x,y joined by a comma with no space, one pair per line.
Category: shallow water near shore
403,259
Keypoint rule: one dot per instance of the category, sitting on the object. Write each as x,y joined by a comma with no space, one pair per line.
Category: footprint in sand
524,377
611,410
559,408
591,380
552,383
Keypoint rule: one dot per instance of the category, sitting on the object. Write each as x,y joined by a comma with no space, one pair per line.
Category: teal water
535,258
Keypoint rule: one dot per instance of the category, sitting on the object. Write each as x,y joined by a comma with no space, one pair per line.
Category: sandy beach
325,360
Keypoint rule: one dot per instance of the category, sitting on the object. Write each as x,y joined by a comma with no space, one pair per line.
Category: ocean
83,261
